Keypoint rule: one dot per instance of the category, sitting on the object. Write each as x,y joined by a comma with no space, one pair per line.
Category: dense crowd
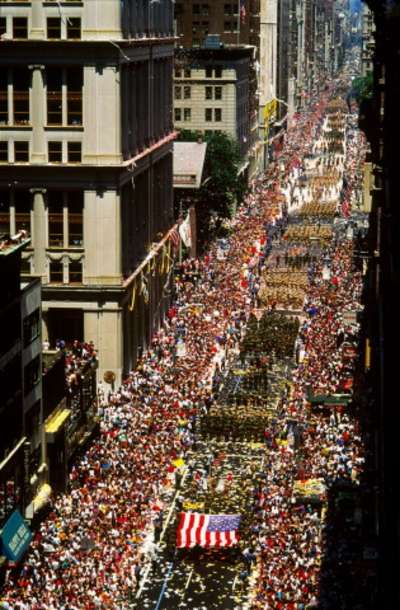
89,552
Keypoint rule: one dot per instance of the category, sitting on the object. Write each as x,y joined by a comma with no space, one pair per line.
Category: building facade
86,162
212,92
22,452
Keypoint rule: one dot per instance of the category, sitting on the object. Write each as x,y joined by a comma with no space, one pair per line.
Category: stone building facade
86,161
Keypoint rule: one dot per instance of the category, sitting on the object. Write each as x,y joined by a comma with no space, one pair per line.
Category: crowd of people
89,552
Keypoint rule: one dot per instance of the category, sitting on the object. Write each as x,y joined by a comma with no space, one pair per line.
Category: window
74,152
56,272
227,26
187,92
187,114
218,114
4,214
209,72
227,9
31,327
218,72
218,93
3,25
178,73
196,9
196,42
21,79
26,266
3,152
204,9
21,152
3,97
73,28
56,219
75,219
178,93
54,96
23,205
187,73
54,152
208,93
20,28
75,272
74,96
178,114
54,28
32,375
208,114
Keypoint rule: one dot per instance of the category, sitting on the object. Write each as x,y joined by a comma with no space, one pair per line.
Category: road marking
189,578
173,505
163,588
143,581
234,583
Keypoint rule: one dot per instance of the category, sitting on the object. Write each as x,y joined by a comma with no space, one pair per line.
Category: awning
189,160
55,423
42,497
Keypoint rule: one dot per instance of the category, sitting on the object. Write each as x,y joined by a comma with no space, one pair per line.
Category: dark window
54,96
218,114
208,93
25,266
21,83
56,219
74,96
54,28
178,93
218,72
178,73
196,42
3,152
31,375
75,272
31,327
209,72
20,27
3,97
187,114
218,93
23,205
3,25
227,26
178,114
75,218
21,152
227,9
204,9
187,92
196,9
73,28
56,272
187,73
4,213
74,152
208,114
55,152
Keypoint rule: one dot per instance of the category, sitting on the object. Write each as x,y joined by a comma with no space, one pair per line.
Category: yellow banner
270,110
193,505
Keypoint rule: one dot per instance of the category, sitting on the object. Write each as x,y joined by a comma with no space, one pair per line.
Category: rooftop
188,164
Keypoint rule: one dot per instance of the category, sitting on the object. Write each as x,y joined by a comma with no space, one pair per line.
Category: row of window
185,92
210,114
20,28
65,216
215,72
15,89
54,152
72,275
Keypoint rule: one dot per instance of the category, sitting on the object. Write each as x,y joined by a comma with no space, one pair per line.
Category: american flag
175,238
196,529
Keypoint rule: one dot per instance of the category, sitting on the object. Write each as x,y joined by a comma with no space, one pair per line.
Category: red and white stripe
192,531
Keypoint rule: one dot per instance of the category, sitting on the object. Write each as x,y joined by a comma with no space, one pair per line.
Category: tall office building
86,162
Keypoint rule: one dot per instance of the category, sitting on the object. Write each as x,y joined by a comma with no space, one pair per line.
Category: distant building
212,92
86,161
